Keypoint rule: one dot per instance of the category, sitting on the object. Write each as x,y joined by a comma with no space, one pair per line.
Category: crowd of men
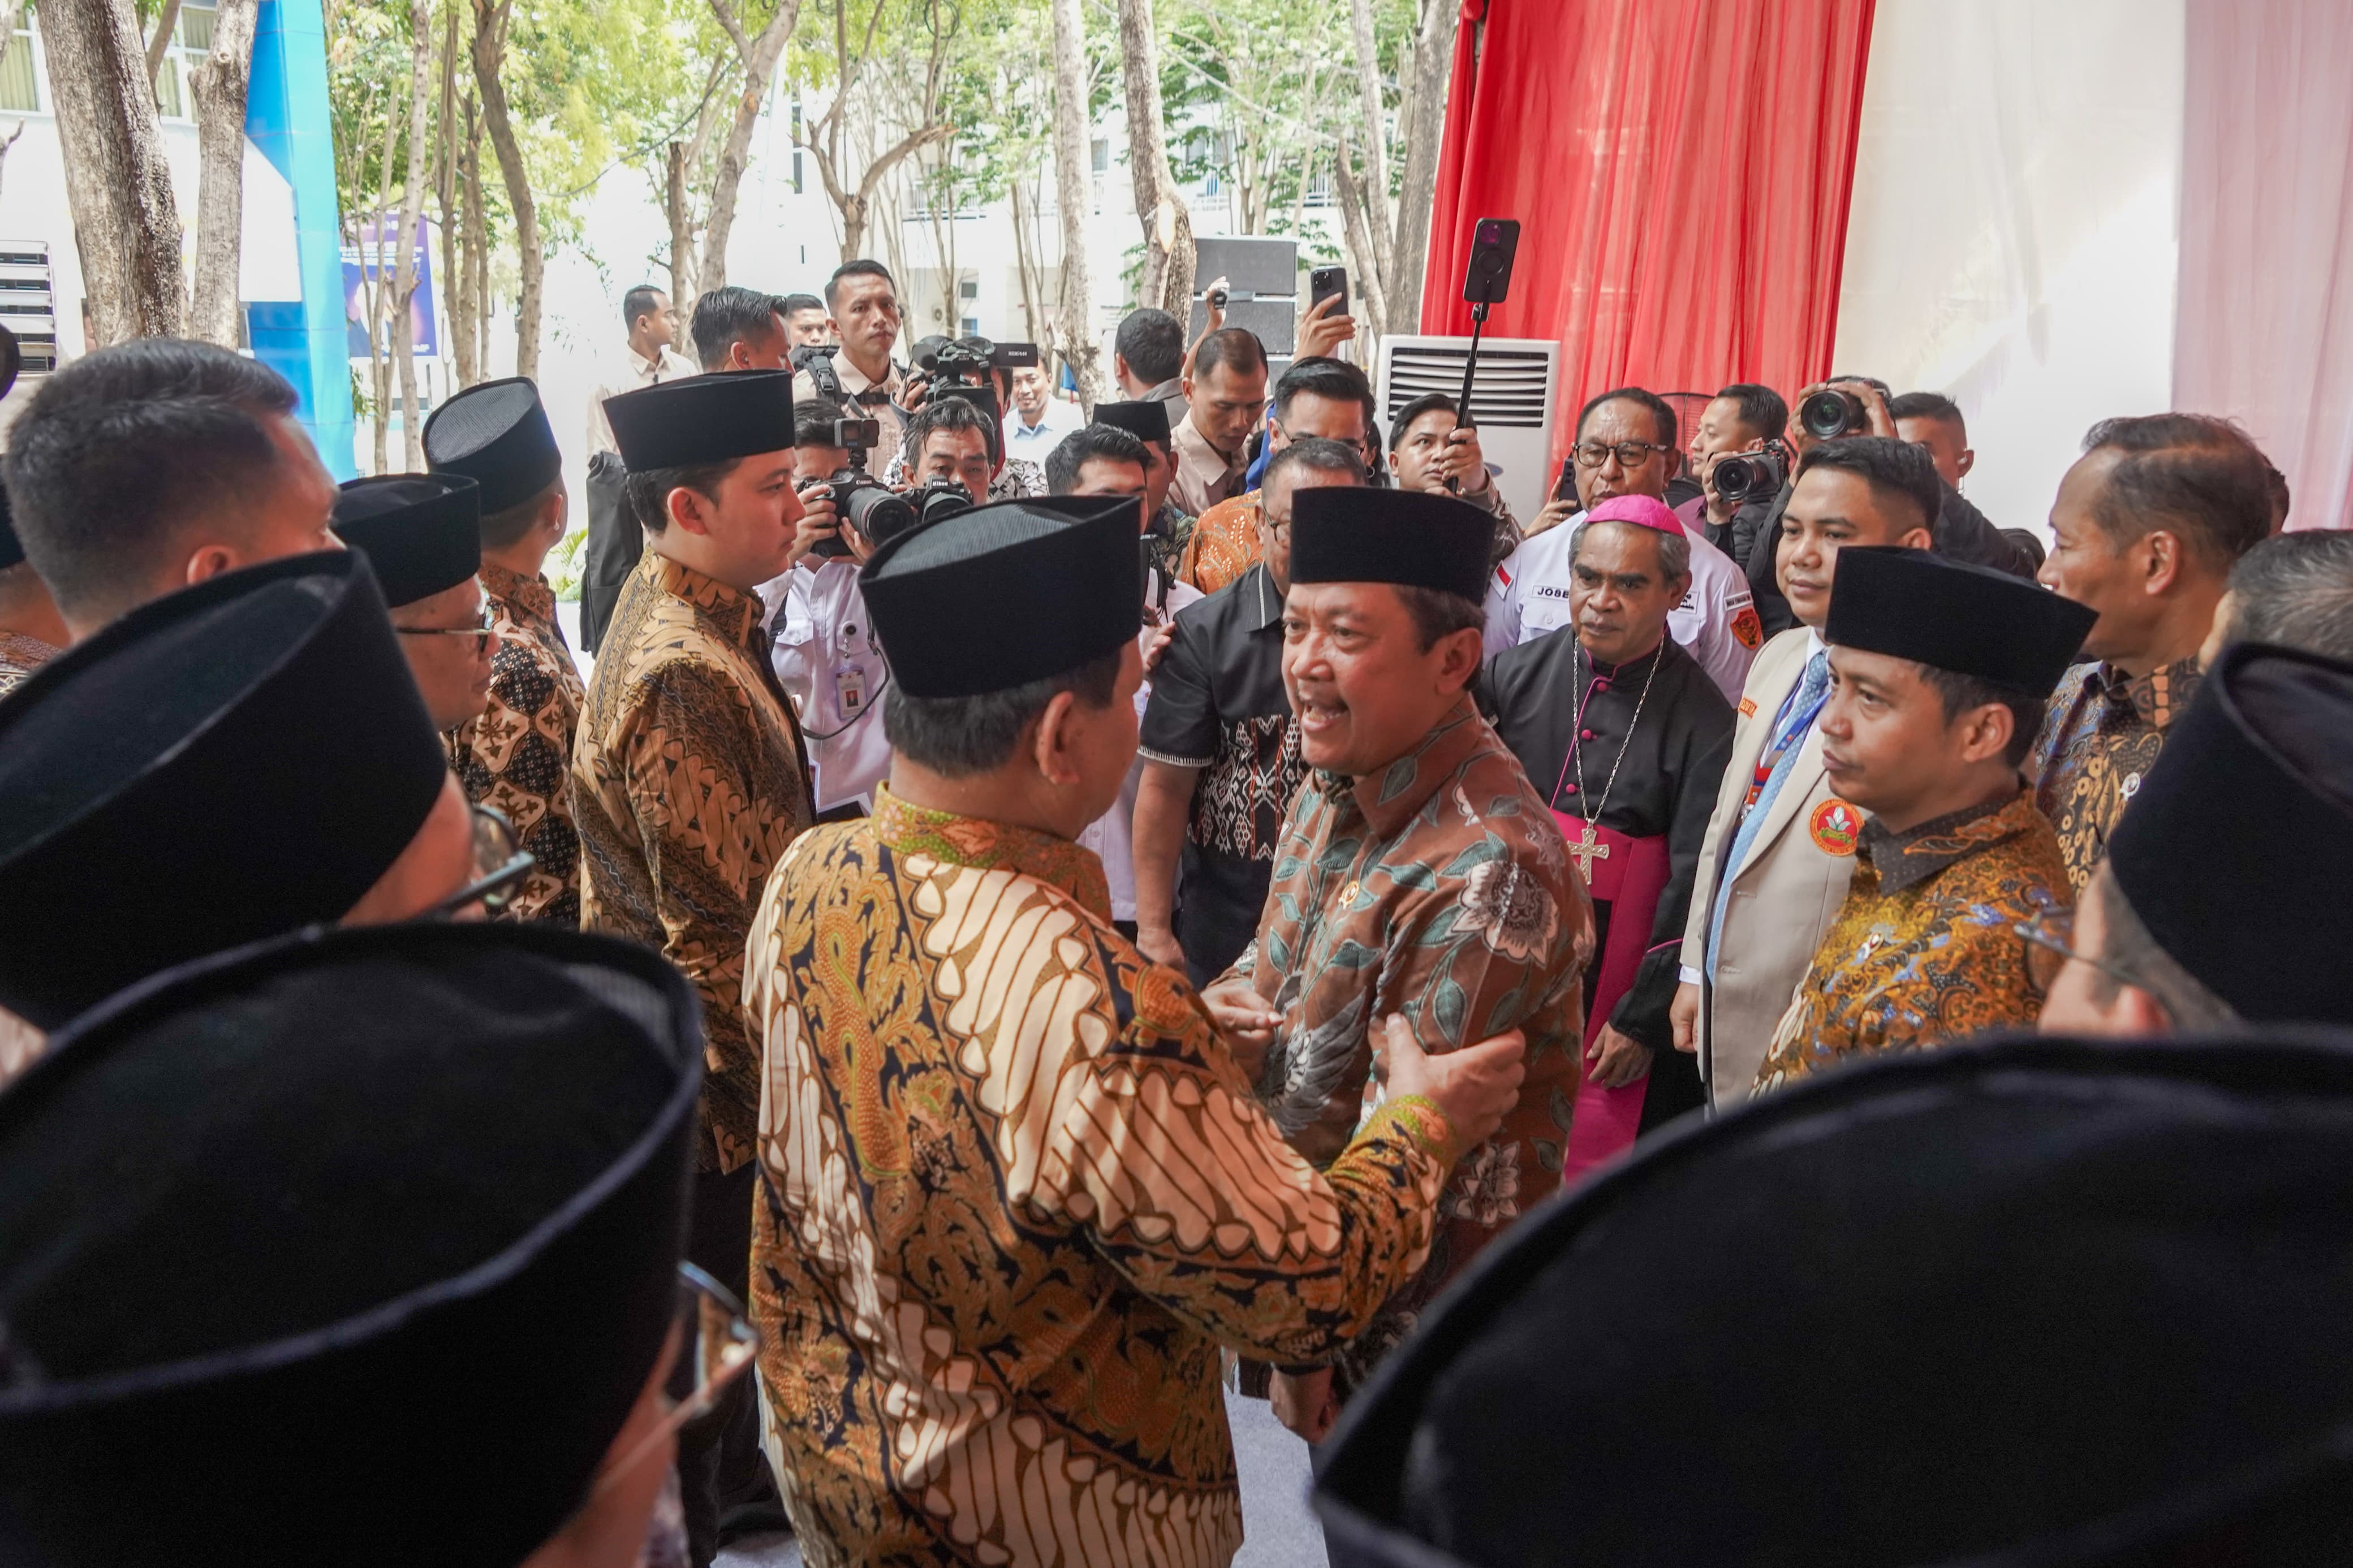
1118,904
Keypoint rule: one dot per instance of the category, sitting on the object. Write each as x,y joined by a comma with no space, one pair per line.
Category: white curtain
2266,327
2012,241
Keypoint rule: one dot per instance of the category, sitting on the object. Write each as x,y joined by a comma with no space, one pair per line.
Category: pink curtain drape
1680,169
2263,317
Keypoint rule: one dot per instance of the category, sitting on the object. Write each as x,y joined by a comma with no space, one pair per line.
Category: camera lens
878,515
1831,413
1751,476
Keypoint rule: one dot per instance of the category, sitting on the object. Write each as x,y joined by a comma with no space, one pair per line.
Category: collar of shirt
1195,453
530,596
1173,388
665,363
856,382
734,612
986,846
2157,698
1390,798
1907,860
1264,604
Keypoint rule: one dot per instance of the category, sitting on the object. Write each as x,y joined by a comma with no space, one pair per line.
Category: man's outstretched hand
1476,1086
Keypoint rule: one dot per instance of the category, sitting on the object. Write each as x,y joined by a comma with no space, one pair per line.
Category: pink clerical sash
1628,874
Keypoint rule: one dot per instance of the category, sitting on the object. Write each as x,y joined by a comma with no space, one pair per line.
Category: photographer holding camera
1743,420
955,439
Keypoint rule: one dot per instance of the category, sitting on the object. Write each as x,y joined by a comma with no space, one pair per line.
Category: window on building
1102,155
968,290
191,40
972,326
19,89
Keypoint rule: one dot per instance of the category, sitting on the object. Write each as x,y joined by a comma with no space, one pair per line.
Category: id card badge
850,687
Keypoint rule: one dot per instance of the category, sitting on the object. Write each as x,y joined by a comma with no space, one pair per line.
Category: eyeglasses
484,635
712,1330
501,862
2051,943
1630,454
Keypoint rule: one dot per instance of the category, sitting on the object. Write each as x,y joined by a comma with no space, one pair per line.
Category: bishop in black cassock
1649,783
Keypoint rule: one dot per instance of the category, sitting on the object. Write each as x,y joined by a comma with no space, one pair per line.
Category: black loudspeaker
1276,321
1248,266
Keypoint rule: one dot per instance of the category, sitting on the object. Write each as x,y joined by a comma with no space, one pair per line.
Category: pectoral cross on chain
1588,848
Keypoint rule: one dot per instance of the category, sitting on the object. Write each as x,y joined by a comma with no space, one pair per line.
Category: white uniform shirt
827,660
1056,420
1716,623
632,375
1111,836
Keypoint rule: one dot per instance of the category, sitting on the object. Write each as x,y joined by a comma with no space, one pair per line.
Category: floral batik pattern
517,756
687,783
20,655
2102,735
1015,1196
1924,952
1440,891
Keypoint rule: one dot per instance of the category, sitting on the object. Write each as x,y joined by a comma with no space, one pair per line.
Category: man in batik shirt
31,630
1939,674
517,755
2145,528
688,780
1418,875
1017,1194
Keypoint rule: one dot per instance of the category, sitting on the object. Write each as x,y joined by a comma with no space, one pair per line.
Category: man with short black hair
1219,746
1171,526
689,779
423,535
1429,450
1225,395
1034,418
2146,529
517,753
1938,672
861,303
1316,399
1740,418
739,329
805,319
986,1109
1933,420
651,323
144,467
952,437
615,541
1148,357
2294,590
1625,445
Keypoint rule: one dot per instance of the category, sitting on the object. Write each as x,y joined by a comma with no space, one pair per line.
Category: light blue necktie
1790,739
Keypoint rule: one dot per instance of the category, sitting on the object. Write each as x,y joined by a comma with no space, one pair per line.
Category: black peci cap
236,760
1950,615
1007,594
12,549
1344,534
703,419
2238,843
1146,421
2037,1301
497,435
421,533
354,1245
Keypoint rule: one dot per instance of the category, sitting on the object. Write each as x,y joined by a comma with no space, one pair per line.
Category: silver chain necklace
1588,848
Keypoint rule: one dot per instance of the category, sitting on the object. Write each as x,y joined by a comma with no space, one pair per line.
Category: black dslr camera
1834,411
968,362
1746,477
859,500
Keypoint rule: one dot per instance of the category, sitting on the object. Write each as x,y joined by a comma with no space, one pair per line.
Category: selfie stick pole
1463,420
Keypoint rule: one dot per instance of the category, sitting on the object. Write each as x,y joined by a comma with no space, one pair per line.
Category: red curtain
1680,169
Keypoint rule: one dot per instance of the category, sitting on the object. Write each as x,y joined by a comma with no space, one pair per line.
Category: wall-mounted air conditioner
1512,402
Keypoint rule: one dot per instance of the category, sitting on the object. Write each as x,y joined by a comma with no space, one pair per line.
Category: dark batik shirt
688,782
1217,704
1440,891
1665,786
1924,952
2103,733
19,656
517,756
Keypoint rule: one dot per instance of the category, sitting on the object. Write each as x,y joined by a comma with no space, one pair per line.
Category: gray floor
1281,1533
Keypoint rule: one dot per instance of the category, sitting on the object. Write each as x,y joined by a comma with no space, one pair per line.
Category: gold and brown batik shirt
1015,1196
2105,732
19,656
517,756
1924,952
688,781
1441,890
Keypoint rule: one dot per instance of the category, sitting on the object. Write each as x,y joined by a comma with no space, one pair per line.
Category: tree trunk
11,12
1168,281
1421,124
412,217
474,241
489,51
459,331
759,57
685,286
1029,264
375,285
116,184
1075,193
218,85
159,42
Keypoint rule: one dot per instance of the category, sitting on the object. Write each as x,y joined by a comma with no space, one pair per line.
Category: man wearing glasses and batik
240,759
422,533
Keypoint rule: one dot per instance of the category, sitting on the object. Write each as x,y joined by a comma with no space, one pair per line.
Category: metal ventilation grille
1510,391
27,306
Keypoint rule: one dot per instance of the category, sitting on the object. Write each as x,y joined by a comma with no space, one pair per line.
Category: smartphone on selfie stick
1495,241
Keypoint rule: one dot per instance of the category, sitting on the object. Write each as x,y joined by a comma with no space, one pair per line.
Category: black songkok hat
1006,594
496,435
1950,615
354,1245
2039,1301
1146,421
12,549
236,760
1344,534
703,419
422,533
2237,851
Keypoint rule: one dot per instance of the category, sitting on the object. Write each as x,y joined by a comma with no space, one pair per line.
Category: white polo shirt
1716,623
